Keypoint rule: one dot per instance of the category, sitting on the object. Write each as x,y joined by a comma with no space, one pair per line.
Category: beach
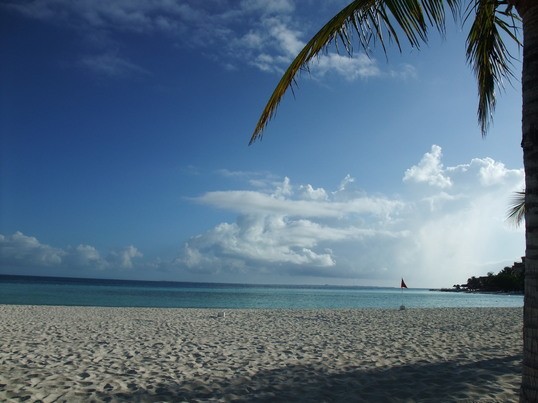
85,354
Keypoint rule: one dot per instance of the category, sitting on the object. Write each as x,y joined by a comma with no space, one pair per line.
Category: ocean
29,290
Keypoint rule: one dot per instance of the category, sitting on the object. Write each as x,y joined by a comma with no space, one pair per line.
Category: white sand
77,354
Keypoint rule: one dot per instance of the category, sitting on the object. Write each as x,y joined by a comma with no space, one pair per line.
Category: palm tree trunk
528,10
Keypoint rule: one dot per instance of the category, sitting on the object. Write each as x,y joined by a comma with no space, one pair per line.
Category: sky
124,130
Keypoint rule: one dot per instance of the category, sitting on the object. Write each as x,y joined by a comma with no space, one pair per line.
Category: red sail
403,285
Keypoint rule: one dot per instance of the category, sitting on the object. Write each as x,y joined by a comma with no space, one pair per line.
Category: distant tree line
509,279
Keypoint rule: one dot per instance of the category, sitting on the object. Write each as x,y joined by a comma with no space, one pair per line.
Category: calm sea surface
121,293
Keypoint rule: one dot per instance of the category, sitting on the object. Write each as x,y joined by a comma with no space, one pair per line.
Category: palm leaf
516,211
372,21
487,53
382,21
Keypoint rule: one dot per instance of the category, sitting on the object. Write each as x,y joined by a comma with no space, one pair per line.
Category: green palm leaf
488,55
516,211
383,21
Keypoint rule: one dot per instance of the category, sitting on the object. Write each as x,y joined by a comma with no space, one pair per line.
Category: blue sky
124,150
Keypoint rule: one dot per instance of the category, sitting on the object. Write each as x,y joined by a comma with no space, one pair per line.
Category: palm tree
371,22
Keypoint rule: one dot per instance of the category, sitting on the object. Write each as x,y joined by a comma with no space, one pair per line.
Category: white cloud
263,34
269,7
252,239
351,68
292,227
118,15
309,193
346,182
29,254
287,39
84,257
493,172
259,242
433,234
124,258
251,40
405,72
429,170
252,202
264,62
19,248
450,230
111,65
283,190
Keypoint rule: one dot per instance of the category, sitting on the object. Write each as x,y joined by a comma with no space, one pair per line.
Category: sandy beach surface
83,354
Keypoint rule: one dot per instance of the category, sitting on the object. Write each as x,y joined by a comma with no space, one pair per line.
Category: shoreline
53,353
477,291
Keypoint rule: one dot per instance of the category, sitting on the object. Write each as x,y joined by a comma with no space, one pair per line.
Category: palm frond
516,211
372,21
487,53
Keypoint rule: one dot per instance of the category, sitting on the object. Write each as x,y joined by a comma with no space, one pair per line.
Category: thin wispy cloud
119,15
263,34
269,7
351,68
111,65
256,202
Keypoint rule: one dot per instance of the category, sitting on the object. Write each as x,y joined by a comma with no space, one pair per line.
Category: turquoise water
121,293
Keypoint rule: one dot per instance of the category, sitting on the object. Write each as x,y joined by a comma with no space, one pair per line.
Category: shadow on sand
448,381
